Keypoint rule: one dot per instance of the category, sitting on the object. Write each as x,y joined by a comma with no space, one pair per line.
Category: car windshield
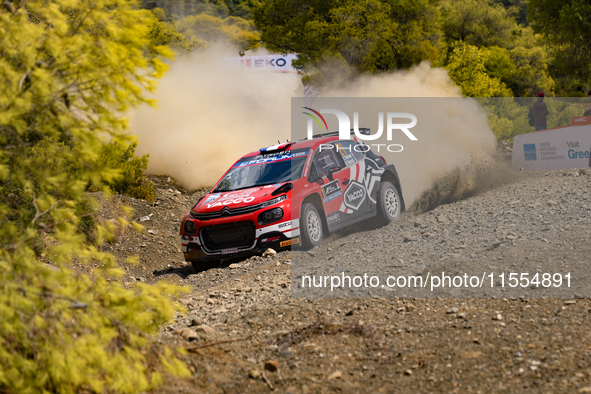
265,169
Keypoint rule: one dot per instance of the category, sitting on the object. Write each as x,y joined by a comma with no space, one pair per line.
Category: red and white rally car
290,194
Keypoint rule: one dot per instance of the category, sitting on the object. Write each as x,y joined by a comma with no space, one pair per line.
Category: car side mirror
331,172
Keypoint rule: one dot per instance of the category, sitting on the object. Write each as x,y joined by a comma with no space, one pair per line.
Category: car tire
310,226
389,203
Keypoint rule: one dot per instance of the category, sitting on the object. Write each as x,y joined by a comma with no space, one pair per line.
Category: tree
368,36
218,8
68,70
512,54
211,29
164,33
517,9
531,76
566,24
523,70
467,69
477,23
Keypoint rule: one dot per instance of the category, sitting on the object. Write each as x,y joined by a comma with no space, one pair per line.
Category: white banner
276,63
558,148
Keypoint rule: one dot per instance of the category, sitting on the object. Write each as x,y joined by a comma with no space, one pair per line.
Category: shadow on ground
187,270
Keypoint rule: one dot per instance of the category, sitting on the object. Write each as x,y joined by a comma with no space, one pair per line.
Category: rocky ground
248,329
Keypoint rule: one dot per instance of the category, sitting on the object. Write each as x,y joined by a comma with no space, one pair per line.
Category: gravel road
538,226
251,327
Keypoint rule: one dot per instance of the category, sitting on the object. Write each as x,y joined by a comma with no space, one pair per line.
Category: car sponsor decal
228,251
270,186
347,156
237,195
368,174
333,218
283,227
271,158
265,159
289,242
228,202
211,198
331,190
307,166
269,240
354,195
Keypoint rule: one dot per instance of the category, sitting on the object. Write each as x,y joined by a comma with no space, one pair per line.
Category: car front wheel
311,226
388,203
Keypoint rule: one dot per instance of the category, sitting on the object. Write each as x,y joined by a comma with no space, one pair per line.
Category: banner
276,63
553,149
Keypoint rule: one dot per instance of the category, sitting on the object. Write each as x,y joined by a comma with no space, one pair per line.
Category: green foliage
531,74
476,22
131,180
523,70
218,8
211,29
68,69
467,69
350,37
368,36
517,9
513,54
566,25
506,117
165,33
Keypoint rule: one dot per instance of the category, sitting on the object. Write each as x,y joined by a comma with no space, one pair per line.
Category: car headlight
273,201
190,227
272,215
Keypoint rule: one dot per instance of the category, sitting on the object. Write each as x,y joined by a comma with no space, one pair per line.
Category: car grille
225,211
226,236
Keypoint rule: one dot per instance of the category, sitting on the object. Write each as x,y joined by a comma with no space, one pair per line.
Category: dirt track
507,344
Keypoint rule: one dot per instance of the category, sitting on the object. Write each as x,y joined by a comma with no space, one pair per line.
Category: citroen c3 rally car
290,194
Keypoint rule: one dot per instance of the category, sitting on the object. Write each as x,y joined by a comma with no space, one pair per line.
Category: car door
326,171
356,202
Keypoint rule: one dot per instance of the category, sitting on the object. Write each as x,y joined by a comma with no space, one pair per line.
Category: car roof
313,144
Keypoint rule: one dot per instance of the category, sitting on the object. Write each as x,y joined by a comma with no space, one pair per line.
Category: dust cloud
455,155
210,113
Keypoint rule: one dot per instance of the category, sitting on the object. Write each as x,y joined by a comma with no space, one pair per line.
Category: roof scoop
362,130
276,148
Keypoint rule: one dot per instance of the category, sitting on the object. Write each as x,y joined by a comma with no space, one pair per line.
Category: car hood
235,199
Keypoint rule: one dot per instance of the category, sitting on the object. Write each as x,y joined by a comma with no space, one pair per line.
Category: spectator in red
540,113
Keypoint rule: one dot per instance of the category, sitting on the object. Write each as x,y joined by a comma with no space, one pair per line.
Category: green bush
130,179
68,72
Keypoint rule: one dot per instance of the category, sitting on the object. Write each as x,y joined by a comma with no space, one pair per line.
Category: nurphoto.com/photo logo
345,128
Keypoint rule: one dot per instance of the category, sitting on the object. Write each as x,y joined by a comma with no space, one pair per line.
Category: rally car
290,194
